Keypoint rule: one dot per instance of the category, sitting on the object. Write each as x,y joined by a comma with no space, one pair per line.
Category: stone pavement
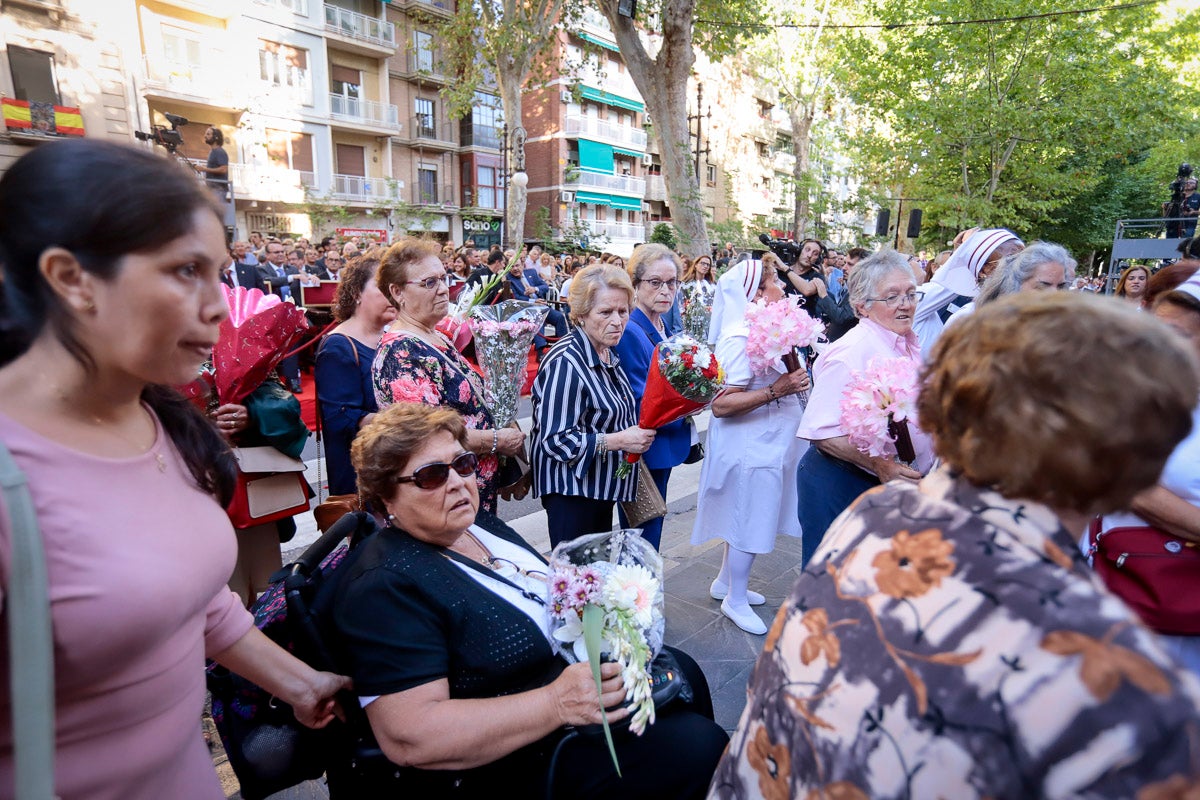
694,621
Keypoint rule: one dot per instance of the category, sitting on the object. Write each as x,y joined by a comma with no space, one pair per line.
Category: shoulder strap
30,644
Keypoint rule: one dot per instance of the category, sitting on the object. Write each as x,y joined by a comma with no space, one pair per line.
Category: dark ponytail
101,201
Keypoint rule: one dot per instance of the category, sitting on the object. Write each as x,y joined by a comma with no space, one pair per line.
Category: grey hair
645,255
1014,270
870,272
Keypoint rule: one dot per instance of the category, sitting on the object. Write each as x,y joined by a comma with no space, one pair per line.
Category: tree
661,77
662,234
1007,123
502,40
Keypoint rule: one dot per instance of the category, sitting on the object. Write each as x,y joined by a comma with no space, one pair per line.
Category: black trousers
569,517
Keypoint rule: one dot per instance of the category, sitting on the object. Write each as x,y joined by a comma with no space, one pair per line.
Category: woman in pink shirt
111,259
834,472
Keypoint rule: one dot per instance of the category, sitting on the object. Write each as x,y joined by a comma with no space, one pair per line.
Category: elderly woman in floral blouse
947,639
417,364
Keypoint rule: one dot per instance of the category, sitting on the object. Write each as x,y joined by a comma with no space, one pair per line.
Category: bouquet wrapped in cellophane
877,405
503,334
779,331
606,603
697,309
684,378
253,339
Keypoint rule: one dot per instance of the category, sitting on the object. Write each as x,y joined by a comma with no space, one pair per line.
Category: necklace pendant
162,462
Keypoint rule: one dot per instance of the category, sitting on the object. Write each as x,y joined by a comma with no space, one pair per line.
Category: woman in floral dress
417,364
699,289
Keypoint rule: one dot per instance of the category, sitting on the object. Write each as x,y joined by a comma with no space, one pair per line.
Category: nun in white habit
747,492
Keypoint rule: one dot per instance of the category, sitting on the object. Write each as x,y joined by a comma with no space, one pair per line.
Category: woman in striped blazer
584,412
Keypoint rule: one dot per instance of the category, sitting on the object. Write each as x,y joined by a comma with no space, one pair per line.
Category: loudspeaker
627,8
914,223
881,223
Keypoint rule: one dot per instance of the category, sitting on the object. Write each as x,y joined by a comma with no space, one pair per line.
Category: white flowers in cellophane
503,334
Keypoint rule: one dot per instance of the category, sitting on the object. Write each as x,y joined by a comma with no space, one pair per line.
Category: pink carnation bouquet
878,404
779,330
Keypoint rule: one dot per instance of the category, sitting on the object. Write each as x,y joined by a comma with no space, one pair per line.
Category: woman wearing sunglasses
442,621
417,364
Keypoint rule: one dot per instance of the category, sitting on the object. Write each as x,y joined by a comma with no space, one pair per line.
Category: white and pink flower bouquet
779,331
877,406
606,603
503,334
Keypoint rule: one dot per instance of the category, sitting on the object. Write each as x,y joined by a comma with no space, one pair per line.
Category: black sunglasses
432,476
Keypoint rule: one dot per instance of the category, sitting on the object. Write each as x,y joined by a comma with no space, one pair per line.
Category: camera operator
805,278
1189,207
217,168
1174,209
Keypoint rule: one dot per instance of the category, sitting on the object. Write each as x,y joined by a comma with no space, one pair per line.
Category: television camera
787,250
169,138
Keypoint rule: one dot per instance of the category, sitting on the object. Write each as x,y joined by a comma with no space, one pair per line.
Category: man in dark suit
281,275
526,284
238,273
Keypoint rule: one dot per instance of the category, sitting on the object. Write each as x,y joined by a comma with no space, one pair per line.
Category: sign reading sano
481,226
365,235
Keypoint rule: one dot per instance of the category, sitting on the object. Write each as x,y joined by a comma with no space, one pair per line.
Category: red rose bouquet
254,338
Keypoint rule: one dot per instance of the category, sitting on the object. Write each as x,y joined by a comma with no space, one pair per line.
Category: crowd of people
961,625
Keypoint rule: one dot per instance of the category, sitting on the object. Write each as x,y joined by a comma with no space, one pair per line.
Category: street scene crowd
990,462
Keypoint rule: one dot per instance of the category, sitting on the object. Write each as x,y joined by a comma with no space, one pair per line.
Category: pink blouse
833,369
138,558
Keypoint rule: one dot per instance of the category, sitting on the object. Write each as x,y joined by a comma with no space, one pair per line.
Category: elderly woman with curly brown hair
948,639
345,395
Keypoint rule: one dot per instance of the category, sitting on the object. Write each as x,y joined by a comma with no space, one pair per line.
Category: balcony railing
359,26
436,6
368,111
356,187
618,230
431,129
577,125
270,182
295,6
472,135
610,183
656,188
214,84
433,195
486,197
427,63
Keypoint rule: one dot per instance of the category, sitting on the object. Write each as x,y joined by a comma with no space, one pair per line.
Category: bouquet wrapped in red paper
684,378
258,333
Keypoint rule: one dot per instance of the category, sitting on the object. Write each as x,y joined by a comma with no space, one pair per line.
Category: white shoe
718,590
745,619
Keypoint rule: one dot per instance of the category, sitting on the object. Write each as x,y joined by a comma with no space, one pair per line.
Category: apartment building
586,147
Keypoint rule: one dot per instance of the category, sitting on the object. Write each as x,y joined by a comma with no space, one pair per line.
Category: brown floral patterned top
945,642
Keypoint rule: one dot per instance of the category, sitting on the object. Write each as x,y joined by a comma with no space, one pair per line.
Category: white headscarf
735,290
1191,286
960,273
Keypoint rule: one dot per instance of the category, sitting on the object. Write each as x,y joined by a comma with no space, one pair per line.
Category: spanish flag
41,117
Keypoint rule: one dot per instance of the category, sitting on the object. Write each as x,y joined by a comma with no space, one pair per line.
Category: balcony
364,112
271,183
431,131
440,8
299,7
283,84
433,194
618,230
621,135
622,184
472,135
656,188
487,197
783,161
423,65
367,33
209,84
370,190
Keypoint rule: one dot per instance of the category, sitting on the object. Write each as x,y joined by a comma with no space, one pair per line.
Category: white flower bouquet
606,602
503,335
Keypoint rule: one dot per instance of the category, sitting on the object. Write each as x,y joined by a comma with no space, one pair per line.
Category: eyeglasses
430,283
657,285
434,476
894,300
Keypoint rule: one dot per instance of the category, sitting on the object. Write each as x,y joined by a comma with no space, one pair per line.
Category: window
350,159
181,49
487,190
422,55
282,65
33,75
427,184
345,81
424,122
291,150
710,174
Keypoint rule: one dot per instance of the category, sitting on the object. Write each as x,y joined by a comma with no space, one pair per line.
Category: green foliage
1017,124
541,224
663,234
732,230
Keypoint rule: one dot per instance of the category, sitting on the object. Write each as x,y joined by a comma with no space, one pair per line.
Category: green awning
594,198
587,37
596,157
627,203
626,152
608,98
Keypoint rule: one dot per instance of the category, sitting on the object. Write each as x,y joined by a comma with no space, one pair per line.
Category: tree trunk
802,120
509,81
662,81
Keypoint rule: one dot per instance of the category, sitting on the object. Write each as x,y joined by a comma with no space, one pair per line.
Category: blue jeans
825,487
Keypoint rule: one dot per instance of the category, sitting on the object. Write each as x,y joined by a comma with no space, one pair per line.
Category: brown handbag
334,508
648,504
